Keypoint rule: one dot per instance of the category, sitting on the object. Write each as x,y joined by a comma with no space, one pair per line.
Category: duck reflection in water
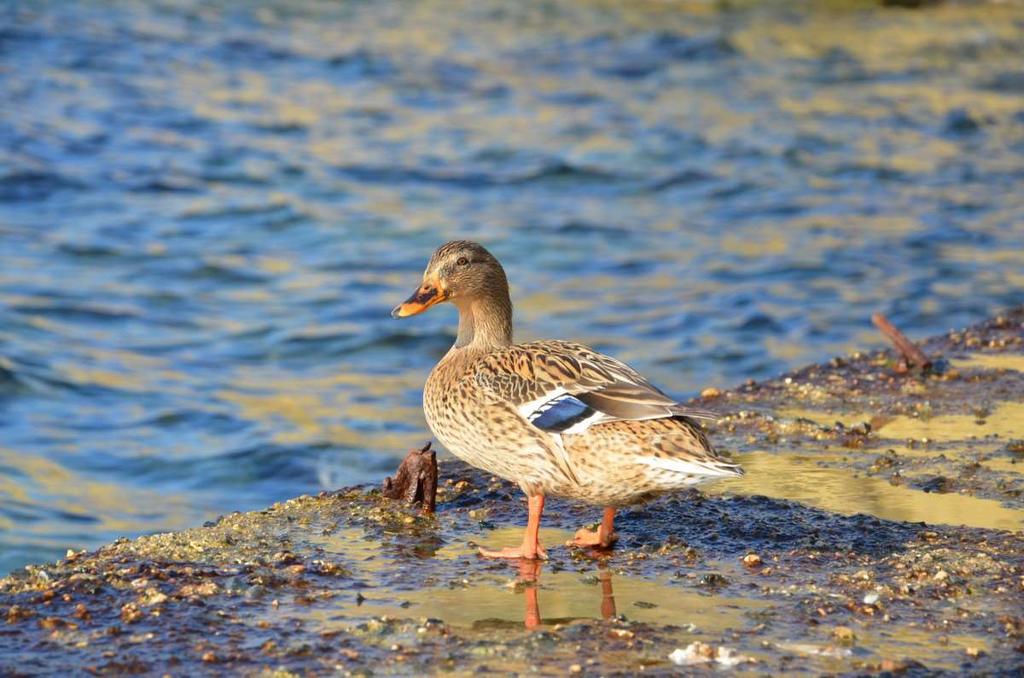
529,577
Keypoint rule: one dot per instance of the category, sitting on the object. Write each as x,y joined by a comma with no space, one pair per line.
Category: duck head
461,272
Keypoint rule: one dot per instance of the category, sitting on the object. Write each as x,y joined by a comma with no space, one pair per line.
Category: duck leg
530,548
603,537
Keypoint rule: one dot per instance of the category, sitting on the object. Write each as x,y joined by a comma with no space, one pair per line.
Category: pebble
844,634
702,653
131,613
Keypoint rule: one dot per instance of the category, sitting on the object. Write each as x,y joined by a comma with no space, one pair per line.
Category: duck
557,418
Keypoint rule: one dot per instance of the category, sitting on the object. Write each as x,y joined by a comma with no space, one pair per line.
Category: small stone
209,657
694,653
284,557
752,560
151,597
575,668
710,392
130,613
702,653
941,575
207,588
728,657
51,623
974,652
16,613
844,634
870,598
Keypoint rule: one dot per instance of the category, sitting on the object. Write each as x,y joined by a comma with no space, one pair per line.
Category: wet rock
200,590
130,613
279,589
713,581
700,653
939,484
844,634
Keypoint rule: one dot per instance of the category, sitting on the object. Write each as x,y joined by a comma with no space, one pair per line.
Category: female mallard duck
556,417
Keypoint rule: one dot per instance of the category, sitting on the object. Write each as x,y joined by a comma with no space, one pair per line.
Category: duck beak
426,296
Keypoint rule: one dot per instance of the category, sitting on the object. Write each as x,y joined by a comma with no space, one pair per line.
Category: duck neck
485,322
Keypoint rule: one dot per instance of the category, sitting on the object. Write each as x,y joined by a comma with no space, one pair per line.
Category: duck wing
564,387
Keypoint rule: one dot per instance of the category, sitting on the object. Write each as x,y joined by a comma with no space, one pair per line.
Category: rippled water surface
208,209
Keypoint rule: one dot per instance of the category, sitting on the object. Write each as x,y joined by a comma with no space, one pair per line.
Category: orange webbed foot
593,538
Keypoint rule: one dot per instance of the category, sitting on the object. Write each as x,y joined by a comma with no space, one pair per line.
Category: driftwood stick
415,481
911,353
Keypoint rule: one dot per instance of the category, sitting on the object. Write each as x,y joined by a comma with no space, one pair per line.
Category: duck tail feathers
694,470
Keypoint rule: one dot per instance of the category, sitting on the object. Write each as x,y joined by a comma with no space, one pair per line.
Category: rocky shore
878,529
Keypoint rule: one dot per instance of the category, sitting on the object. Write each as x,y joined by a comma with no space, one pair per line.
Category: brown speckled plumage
472,400
556,417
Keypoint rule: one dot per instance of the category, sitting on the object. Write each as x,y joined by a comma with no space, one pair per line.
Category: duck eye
463,261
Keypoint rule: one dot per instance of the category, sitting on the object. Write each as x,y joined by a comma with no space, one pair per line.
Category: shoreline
867,574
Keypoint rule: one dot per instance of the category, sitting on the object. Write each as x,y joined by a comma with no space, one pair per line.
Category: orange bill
426,296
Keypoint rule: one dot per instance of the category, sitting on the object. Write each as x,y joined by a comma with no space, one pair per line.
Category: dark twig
415,481
911,353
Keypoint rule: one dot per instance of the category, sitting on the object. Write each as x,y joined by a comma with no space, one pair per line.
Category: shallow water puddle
566,596
350,542
1005,419
517,594
935,649
990,361
1003,465
531,596
800,478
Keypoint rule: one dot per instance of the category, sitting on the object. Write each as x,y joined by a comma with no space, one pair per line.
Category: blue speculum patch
561,413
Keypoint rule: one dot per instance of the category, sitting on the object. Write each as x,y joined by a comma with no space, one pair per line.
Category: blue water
208,210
